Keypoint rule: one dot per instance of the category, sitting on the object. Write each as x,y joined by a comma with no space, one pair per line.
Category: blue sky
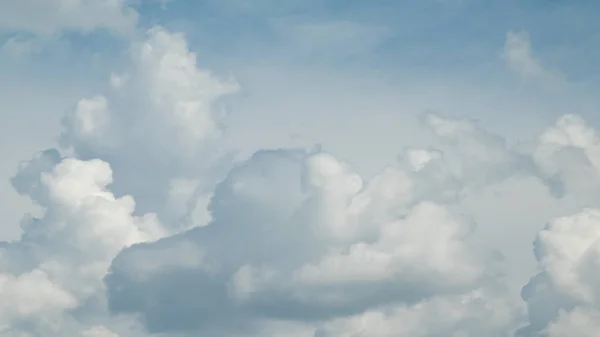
456,38
299,168
424,34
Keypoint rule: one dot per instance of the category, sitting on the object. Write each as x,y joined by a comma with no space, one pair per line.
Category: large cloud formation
292,242
164,110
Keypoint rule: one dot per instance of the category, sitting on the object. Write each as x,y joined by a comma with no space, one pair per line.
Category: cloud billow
142,232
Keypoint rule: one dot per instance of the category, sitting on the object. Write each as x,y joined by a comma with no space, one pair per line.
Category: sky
299,168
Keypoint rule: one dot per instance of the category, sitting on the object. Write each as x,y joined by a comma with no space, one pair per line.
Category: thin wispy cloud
519,57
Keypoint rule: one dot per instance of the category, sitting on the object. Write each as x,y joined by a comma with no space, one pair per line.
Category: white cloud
294,242
520,58
568,155
309,241
299,236
91,118
564,295
519,55
479,313
159,121
62,256
178,99
579,323
98,331
481,157
66,250
32,296
567,252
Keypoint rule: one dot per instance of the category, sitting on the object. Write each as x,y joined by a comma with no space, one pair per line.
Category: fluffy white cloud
98,331
63,255
300,236
32,295
158,121
567,251
564,295
293,242
478,313
579,322
482,157
155,123
162,105
568,156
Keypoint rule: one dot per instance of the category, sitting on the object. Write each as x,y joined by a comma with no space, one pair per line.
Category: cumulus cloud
51,280
145,220
579,322
300,236
178,101
568,155
62,257
564,295
478,313
98,331
482,157
567,253
158,122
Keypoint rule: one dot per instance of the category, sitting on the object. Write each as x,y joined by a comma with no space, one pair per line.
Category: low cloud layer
147,226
